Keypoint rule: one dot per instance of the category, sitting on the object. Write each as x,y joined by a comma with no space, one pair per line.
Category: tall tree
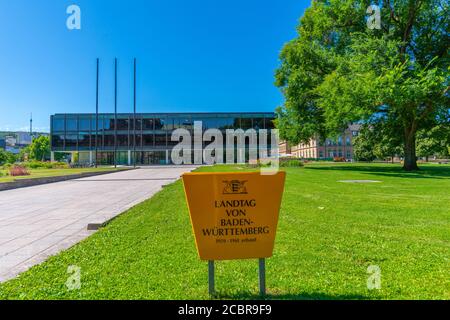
377,140
338,70
434,142
40,148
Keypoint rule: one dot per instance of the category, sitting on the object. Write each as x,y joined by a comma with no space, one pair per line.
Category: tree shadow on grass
425,172
288,296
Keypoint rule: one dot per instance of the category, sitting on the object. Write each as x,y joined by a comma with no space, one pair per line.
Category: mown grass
44,173
329,233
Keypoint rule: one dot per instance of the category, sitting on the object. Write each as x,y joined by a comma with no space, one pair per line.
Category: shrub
16,171
283,162
44,165
6,166
7,157
339,159
291,163
39,165
60,165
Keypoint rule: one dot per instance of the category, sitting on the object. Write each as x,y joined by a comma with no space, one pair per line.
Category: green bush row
283,162
291,163
39,165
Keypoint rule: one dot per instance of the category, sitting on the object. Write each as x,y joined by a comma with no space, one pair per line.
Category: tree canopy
377,141
40,148
338,71
434,142
6,157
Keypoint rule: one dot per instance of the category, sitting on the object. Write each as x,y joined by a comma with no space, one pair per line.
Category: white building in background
341,147
23,138
11,141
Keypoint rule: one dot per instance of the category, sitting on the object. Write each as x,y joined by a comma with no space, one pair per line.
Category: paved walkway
38,222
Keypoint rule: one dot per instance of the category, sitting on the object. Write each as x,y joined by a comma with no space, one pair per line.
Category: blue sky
197,56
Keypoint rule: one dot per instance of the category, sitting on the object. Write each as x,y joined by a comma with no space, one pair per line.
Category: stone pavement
38,222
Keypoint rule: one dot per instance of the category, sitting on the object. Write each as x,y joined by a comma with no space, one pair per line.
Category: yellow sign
234,215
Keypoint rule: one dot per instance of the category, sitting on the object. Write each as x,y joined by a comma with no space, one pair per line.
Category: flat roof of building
169,113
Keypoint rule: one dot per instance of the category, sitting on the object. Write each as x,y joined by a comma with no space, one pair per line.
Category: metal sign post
262,277
211,277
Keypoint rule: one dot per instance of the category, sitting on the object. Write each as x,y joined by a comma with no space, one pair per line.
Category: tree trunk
410,162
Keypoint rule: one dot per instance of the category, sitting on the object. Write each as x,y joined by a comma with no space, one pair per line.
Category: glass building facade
144,139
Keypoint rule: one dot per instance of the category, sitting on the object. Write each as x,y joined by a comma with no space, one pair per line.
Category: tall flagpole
134,116
96,116
115,112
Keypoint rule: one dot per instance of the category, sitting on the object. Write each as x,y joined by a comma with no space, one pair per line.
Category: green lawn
42,173
329,233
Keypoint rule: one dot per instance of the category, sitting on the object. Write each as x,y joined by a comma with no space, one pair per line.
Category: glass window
186,123
93,127
246,123
171,123
160,140
225,123
109,140
58,124
269,123
122,124
159,123
85,124
148,124
258,123
138,123
108,123
138,141
122,140
57,140
147,140
347,141
71,124
100,123
209,123
237,123
84,139
340,141
151,157
71,140
99,140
